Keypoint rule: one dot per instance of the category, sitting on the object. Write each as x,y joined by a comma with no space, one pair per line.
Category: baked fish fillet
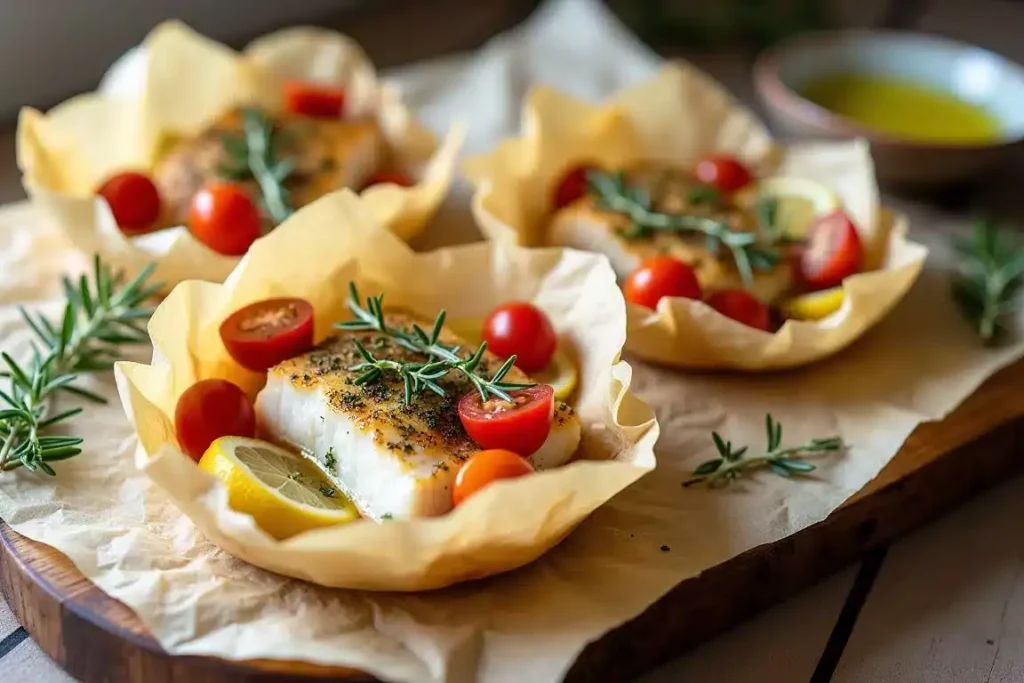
328,154
584,225
393,460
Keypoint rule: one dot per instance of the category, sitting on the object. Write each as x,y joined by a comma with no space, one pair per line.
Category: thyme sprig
613,194
100,316
254,155
419,376
988,283
785,462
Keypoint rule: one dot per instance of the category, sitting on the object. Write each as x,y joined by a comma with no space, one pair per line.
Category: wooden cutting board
98,639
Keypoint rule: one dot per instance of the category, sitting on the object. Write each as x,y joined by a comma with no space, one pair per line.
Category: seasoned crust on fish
391,458
585,225
328,154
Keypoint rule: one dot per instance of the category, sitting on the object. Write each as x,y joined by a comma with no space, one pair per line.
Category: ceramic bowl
971,73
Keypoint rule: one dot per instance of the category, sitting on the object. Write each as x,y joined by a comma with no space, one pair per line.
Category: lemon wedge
815,305
285,493
798,203
560,374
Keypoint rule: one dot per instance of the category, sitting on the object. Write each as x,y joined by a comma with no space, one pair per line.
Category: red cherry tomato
224,218
834,252
722,171
208,410
134,200
486,467
314,100
742,307
522,426
661,276
262,334
395,177
522,330
572,186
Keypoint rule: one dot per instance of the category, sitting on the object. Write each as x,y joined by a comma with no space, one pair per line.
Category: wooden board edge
92,648
673,625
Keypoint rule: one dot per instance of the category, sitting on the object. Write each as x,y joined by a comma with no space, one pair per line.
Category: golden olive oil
904,109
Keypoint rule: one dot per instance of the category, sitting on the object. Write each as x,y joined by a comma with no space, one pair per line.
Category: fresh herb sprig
988,283
419,376
785,462
613,193
254,155
100,316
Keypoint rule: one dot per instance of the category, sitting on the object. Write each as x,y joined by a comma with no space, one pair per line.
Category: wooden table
945,605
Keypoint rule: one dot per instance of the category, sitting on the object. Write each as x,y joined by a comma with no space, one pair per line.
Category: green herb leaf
785,462
987,286
95,323
419,376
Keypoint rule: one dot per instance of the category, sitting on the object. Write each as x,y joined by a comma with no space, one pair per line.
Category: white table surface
944,605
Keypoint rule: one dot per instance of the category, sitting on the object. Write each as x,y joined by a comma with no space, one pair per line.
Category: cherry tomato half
486,467
722,171
264,333
742,307
314,100
134,200
208,410
223,217
522,426
834,252
394,177
522,330
572,186
661,276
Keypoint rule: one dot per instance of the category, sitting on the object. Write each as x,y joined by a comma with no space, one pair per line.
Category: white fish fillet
393,460
583,225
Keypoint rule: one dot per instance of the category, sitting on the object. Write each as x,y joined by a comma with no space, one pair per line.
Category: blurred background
55,48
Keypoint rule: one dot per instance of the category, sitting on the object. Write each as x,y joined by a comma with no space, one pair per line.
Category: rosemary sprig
614,194
99,317
419,376
987,285
785,462
254,156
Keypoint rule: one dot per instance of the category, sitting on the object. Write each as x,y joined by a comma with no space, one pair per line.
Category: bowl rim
773,91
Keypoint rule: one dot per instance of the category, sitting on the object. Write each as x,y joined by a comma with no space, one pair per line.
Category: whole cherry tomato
723,172
208,410
223,217
572,186
264,333
314,100
486,467
522,330
834,252
394,177
661,276
521,426
742,307
134,200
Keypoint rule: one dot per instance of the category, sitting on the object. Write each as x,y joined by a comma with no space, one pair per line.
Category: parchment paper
502,528
529,625
177,83
676,117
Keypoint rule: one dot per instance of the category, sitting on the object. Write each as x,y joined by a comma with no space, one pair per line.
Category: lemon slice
285,493
798,203
560,374
814,306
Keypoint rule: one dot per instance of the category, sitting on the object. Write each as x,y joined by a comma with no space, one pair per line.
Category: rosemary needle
253,156
100,316
988,282
785,462
612,193
441,359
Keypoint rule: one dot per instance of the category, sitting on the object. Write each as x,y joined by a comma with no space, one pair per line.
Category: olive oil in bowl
904,109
